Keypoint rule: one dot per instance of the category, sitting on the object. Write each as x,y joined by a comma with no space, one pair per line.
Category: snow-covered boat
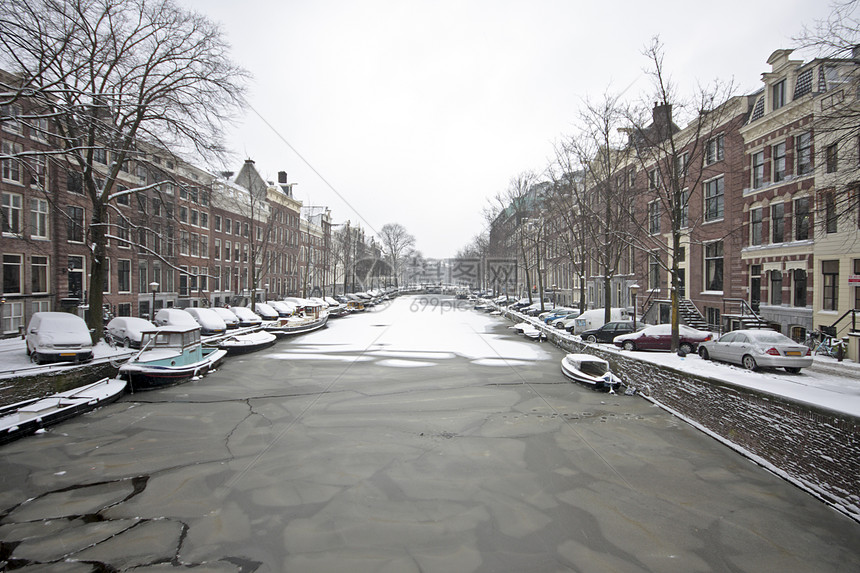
528,330
27,417
249,342
169,355
295,324
589,369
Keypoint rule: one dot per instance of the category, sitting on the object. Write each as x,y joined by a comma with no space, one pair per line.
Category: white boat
248,342
589,369
528,330
27,417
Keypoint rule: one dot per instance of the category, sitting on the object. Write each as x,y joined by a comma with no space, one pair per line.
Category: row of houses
177,234
767,222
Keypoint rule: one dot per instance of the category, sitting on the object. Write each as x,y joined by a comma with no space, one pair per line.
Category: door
755,293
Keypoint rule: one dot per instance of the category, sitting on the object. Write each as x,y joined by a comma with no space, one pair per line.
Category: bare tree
110,74
605,201
396,242
672,159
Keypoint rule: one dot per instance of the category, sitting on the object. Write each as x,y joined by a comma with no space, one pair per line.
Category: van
594,319
58,337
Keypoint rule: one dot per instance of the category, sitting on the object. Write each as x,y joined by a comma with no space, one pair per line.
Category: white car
127,330
265,311
58,337
246,316
229,318
174,317
209,320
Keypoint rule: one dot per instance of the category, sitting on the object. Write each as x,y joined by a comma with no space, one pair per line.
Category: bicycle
821,344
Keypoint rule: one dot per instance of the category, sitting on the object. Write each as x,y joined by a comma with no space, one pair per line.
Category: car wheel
703,352
685,348
628,345
749,362
792,369
37,359
591,338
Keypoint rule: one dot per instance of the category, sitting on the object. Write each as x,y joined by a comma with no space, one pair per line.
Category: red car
659,337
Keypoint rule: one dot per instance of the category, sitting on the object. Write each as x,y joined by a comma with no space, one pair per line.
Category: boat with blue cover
169,355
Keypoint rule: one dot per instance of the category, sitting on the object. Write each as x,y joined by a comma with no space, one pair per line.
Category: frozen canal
416,437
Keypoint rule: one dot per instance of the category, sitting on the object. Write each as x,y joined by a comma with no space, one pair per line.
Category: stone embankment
815,448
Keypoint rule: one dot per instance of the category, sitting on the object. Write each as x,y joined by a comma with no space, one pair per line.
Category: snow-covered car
246,316
755,348
284,309
608,331
173,317
127,330
659,337
265,311
210,322
58,337
567,322
229,318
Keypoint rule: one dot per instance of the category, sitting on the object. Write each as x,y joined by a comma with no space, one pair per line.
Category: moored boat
296,324
169,355
249,342
589,369
28,417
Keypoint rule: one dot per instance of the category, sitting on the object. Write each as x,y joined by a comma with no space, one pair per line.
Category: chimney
226,174
662,116
282,177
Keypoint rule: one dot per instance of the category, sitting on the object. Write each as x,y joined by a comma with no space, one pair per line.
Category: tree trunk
95,296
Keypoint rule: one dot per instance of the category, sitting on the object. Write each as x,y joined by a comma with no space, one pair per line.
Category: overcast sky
418,112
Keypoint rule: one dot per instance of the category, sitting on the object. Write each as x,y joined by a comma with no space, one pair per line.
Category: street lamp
153,288
634,289
266,286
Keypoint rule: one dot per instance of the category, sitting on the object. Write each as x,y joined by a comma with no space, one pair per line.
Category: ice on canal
405,439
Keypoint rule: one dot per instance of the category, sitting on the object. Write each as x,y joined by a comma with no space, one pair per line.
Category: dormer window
778,95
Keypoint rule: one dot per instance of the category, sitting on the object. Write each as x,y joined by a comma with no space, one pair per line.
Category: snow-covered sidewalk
15,362
828,383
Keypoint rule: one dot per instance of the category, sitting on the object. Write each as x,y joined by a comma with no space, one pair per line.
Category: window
830,216
217,250
216,278
857,288
712,315
654,217
228,225
38,173
183,242
74,183
123,275
715,150
141,202
758,170
194,245
75,224
12,275
204,278
204,246
122,199
237,229
778,152
245,230
799,287
11,167
100,155
123,309
830,290
195,217
778,93
777,222
654,270
831,158
755,226
204,220
245,253
801,219
775,287
714,199
653,178
38,274
9,118
227,251
11,213
217,222
714,266
142,282
13,316
183,214
804,153
123,232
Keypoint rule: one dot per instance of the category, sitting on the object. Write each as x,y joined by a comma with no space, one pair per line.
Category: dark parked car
608,331
659,337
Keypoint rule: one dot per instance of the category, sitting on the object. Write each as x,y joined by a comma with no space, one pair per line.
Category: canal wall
44,381
815,448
